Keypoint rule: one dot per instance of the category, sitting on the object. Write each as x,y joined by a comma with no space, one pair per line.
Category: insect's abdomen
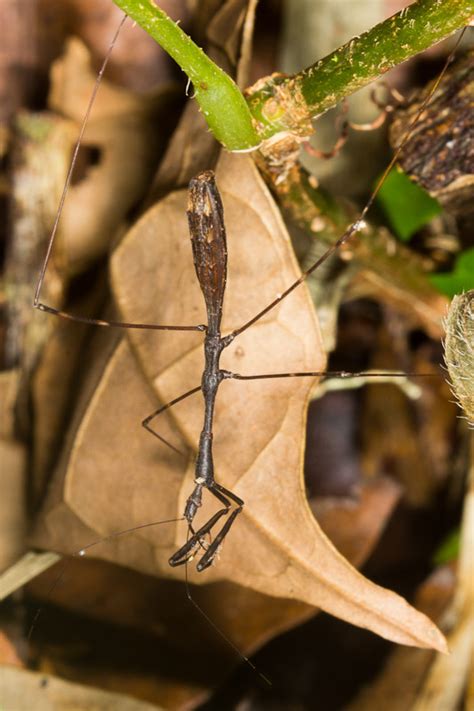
206,225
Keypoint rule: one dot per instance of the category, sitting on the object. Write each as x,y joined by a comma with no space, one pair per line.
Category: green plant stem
221,101
281,103
290,103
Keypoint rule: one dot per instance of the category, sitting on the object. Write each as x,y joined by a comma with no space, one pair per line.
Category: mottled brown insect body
208,238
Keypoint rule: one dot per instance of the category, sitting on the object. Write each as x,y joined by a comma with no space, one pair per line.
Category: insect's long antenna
82,552
359,223
217,629
74,160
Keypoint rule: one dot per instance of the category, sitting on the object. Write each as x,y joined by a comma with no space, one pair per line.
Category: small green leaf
460,279
449,548
406,206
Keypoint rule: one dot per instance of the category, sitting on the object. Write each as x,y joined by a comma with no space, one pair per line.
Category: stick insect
210,257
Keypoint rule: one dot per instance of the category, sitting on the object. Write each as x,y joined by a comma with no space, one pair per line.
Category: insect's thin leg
37,304
223,495
393,94
343,125
186,552
147,420
192,531
114,324
328,374
209,555
357,225
373,125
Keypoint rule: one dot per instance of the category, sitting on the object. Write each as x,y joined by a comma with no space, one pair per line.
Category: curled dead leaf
399,682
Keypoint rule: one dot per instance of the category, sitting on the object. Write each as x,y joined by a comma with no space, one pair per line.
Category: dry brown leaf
276,547
107,456
354,526
28,567
230,34
13,458
137,61
396,687
54,385
36,33
145,603
469,700
124,129
8,655
13,461
23,690
9,385
247,618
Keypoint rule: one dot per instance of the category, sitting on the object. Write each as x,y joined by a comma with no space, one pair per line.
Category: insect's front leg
194,502
226,497
187,552
208,557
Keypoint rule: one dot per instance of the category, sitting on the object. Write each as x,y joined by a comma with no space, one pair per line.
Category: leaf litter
120,366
